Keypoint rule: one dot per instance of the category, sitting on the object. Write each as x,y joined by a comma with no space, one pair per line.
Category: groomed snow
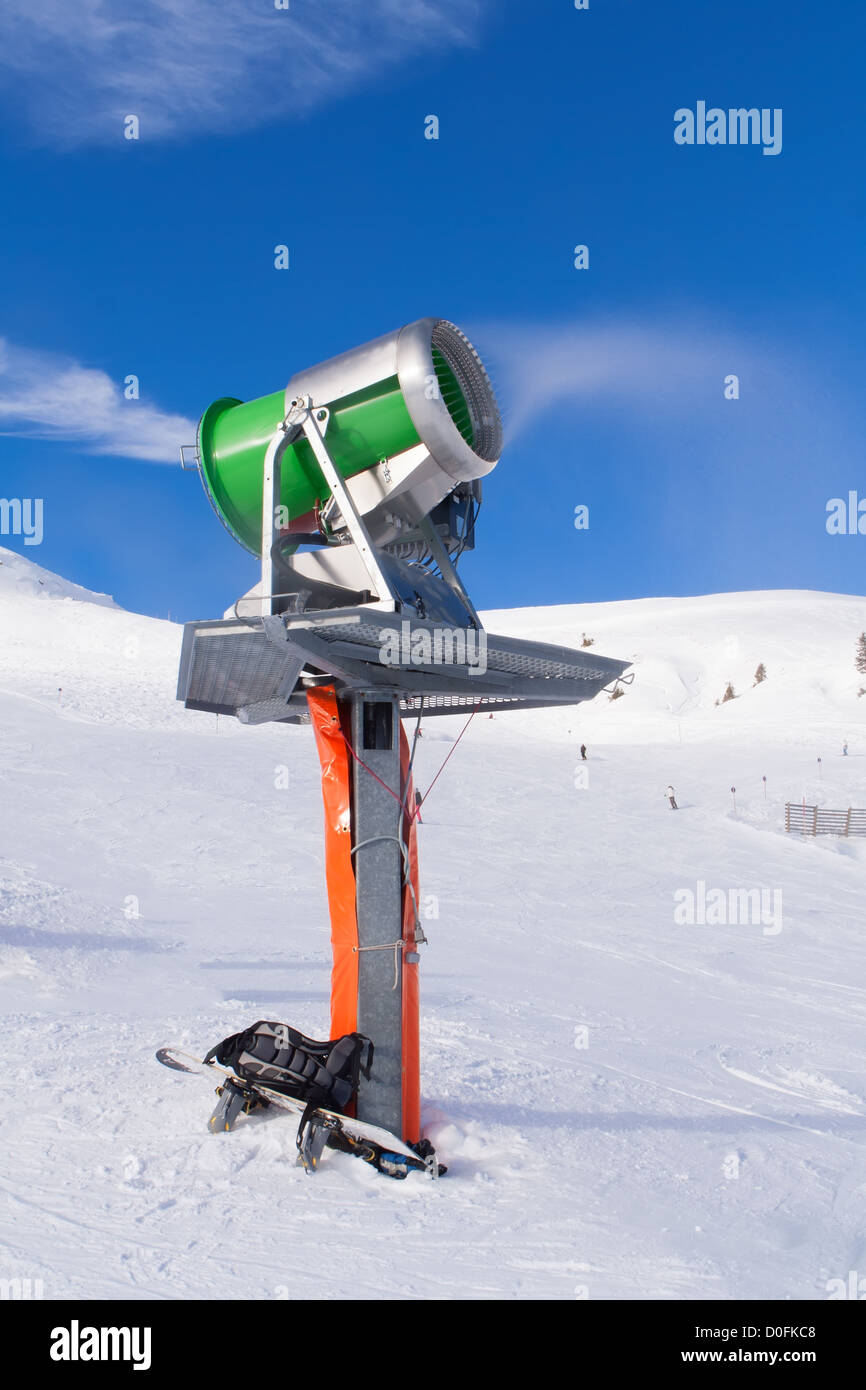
630,1107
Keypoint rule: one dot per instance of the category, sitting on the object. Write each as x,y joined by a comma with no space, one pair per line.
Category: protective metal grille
472,405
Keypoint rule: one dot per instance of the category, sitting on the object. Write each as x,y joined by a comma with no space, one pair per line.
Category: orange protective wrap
339,873
335,759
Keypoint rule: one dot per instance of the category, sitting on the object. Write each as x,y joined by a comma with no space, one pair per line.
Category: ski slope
630,1106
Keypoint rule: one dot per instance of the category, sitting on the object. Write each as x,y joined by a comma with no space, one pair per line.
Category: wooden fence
817,820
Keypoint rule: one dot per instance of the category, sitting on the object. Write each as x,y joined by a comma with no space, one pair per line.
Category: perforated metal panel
225,666
449,704
533,659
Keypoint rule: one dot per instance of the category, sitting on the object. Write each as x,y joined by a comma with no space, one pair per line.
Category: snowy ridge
632,1104
686,650
22,577
119,667
111,666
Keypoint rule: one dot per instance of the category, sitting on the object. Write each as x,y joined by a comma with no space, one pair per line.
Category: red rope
373,774
442,768
415,812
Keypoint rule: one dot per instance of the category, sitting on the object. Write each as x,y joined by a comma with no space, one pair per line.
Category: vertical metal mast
379,875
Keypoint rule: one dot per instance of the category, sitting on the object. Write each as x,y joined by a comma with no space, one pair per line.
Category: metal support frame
446,568
271,490
312,421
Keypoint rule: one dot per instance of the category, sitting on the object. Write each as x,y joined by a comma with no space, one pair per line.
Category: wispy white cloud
666,375
189,66
45,396
652,367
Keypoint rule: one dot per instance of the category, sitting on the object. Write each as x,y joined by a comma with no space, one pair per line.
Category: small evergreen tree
760,674
860,658
729,693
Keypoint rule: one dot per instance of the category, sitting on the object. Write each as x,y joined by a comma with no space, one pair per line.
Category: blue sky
306,127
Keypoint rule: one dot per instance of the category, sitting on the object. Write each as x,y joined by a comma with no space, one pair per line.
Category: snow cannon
359,488
409,420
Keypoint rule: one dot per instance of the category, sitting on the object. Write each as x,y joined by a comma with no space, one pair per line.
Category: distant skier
844,750
672,799
583,751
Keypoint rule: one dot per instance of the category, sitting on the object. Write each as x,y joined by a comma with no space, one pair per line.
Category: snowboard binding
234,1099
318,1131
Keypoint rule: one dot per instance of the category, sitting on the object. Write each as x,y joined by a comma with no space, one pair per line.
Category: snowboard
323,1128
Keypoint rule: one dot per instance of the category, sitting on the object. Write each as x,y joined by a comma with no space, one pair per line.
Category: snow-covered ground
631,1106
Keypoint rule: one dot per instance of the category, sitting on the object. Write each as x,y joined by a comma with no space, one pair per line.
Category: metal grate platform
260,671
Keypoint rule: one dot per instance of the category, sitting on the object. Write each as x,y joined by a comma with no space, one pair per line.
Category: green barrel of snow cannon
423,384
